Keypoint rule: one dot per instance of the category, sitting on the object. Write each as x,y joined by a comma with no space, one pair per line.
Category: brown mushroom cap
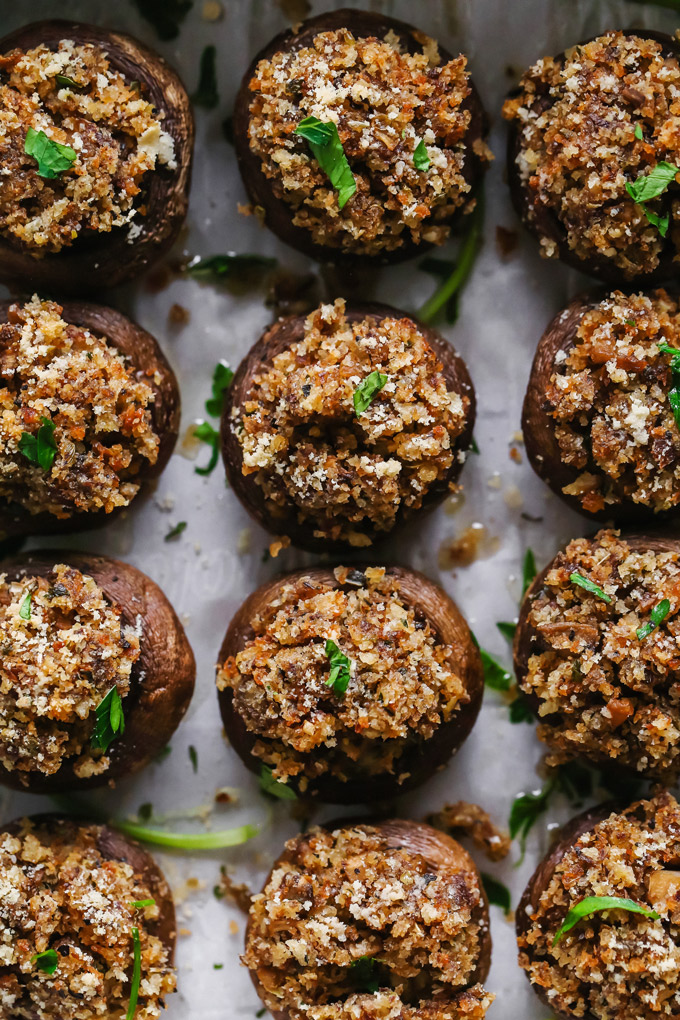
147,361
421,758
279,337
162,679
542,222
278,214
439,851
108,259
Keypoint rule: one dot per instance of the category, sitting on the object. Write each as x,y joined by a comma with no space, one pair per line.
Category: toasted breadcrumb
472,820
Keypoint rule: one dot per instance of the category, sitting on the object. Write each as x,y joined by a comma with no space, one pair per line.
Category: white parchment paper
218,559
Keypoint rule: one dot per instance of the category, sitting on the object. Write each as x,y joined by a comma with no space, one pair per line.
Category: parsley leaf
674,394
529,571
221,380
176,531
593,904
136,974
585,583
473,448
520,711
364,975
164,15
461,268
366,391
41,448
421,160
193,757
141,904
657,616
47,962
206,94
497,893
214,268
638,132
525,812
652,185
110,721
274,787
495,676
507,629
52,157
25,607
66,83
340,665
324,141
207,434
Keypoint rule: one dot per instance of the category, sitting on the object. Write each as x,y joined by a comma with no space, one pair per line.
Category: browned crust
279,337
525,636
423,758
149,363
278,216
115,847
108,259
540,880
544,223
438,849
162,680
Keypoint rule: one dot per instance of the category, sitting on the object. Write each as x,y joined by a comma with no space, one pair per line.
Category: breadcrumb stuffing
59,891
604,693
614,965
404,683
59,659
309,451
99,407
463,818
384,102
337,898
116,134
577,117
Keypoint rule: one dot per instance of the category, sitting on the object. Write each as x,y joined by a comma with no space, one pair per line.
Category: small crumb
471,544
233,928
178,315
212,10
495,481
244,541
473,821
518,437
506,241
515,455
184,932
513,497
277,545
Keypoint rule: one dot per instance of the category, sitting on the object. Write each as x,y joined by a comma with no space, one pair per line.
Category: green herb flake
324,141
473,448
656,617
176,531
65,82
274,788
40,449
193,757
454,283
110,721
136,974
366,391
25,607
650,186
216,268
221,381
164,15
593,905
497,893
421,159
218,966
141,904
261,1012
52,157
525,812
529,571
218,892
638,132
575,781
590,586
207,434
198,841
520,711
508,630
206,94
364,976
47,962
495,676
339,676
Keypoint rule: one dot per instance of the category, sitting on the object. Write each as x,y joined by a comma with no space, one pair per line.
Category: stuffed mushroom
593,155
371,920
89,413
597,654
348,684
597,925
96,139
96,671
339,426
87,924
358,136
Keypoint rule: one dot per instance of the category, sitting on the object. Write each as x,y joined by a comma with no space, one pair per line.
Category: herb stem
188,840
463,267
136,974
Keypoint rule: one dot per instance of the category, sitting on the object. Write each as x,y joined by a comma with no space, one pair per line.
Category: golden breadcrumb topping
403,682
60,892
604,692
610,397
614,965
590,122
385,102
93,409
64,647
341,472
349,926
471,820
115,133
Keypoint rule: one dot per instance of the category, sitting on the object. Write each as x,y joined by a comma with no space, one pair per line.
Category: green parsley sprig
324,141
496,893
221,380
454,284
206,94
650,186
589,586
41,448
594,904
52,157
366,391
274,787
47,962
656,617
674,393
110,722
339,676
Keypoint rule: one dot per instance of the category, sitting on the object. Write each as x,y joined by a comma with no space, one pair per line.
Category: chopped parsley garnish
421,160
495,676
176,531
110,721
193,757
462,268
188,840
651,185
473,448
529,571
338,678
40,448
221,380
52,157
218,892
207,434
364,974
587,585
66,82
141,904
136,974
218,966
575,781
206,94
507,629
366,391
657,616
273,787
497,893
520,711
525,812
638,132
164,15
25,607
674,394
47,962
324,141
215,268
593,904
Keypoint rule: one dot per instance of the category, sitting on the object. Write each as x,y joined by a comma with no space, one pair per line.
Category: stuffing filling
69,401
589,123
60,893
64,647
74,96
605,692
403,682
610,396
614,965
349,926
345,473
385,103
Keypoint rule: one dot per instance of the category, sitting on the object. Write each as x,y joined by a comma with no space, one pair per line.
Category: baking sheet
219,558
